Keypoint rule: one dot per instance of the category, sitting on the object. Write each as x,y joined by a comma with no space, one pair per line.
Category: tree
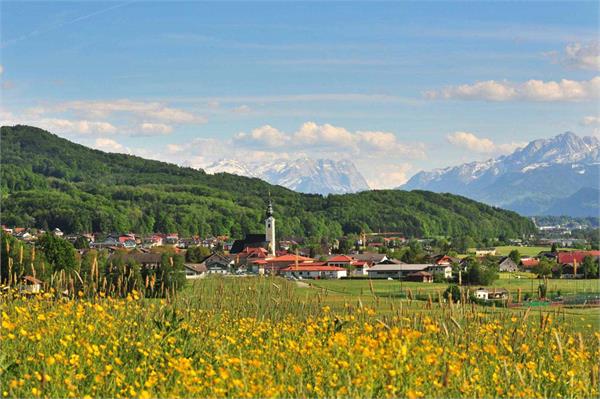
197,254
544,267
554,248
515,256
453,291
590,267
438,277
60,254
81,243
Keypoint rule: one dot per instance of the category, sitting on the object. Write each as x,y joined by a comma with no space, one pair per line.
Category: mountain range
556,176
305,175
47,181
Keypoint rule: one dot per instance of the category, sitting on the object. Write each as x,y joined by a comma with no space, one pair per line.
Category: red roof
360,263
527,263
289,258
575,256
312,268
340,258
259,262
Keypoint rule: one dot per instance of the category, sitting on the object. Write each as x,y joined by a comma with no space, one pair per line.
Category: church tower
270,228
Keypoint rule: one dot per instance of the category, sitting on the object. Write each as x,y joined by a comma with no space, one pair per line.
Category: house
248,255
319,271
491,294
108,242
340,261
218,264
24,235
275,264
195,270
443,268
371,257
57,232
507,265
529,263
444,260
360,268
420,277
572,271
30,285
171,239
251,240
145,259
569,258
395,270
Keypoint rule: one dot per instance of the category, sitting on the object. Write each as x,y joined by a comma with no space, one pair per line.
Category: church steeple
270,207
270,228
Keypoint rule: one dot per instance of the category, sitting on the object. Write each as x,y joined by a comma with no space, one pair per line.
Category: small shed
30,285
421,277
491,294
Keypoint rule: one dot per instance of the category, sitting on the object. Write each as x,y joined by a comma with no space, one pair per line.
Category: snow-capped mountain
320,176
530,180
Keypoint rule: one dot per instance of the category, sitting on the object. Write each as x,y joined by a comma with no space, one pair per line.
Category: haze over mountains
305,175
556,176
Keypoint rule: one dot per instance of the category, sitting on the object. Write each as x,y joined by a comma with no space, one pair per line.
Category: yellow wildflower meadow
254,338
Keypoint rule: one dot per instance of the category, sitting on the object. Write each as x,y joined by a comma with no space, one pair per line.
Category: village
369,258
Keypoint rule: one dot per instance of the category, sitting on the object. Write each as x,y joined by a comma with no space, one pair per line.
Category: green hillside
51,182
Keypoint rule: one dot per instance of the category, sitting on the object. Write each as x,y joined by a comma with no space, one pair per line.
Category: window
269,225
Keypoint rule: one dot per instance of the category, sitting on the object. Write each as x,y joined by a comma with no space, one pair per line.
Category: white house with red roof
314,271
354,266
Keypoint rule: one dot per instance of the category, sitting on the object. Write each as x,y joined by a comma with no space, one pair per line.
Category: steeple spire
270,206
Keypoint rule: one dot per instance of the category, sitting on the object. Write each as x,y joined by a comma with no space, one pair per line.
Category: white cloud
1,69
314,138
583,55
109,145
155,111
480,145
155,128
265,135
531,90
386,175
242,109
67,126
591,121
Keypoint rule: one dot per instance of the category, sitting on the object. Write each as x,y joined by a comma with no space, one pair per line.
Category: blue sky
396,87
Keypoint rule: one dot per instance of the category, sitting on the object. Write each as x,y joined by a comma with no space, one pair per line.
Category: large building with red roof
314,271
570,257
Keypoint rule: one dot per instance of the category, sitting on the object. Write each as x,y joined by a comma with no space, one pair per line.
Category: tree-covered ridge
48,181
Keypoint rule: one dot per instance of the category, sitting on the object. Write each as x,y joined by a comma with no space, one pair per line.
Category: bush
452,291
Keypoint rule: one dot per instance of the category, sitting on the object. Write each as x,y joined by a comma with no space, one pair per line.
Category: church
266,240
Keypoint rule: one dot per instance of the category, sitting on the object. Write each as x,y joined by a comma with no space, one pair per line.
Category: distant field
504,250
396,288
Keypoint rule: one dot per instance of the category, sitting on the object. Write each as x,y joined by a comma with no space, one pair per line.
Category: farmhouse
314,271
507,265
491,294
395,270
195,270
217,264
30,285
569,258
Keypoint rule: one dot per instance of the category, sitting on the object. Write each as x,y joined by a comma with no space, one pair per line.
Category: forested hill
51,182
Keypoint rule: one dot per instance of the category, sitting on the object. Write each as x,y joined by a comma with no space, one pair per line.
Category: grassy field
504,250
268,337
507,280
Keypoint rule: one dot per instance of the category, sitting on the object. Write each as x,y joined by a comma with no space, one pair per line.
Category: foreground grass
262,337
